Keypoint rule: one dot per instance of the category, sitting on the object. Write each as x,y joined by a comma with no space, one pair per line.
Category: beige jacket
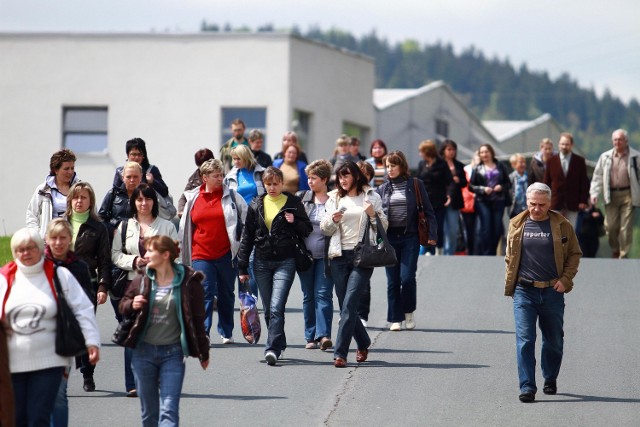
566,250
330,228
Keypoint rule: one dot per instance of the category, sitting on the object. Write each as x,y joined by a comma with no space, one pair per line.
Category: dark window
442,128
302,127
253,118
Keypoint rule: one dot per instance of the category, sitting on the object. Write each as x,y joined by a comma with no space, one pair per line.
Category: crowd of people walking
244,217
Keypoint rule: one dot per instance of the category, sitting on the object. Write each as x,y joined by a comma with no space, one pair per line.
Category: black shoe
550,387
89,384
527,397
132,393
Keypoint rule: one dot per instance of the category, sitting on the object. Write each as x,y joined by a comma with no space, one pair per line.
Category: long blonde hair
75,190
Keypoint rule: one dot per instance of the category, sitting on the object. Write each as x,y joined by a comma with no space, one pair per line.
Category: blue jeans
35,395
470,225
129,381
349,281
490,229
252,280
317,301
219,281
364,307
451,225
401,278
547,307
159,372
274,280
60,414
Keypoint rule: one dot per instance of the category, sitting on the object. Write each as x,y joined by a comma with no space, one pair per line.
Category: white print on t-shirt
537,235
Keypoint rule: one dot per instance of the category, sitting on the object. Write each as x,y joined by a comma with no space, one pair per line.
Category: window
302,127
84,129
352,129
253,118
442,128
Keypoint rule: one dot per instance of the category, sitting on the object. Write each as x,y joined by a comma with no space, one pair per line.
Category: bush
5,250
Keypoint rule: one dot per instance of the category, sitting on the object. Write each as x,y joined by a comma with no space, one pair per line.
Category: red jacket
567,191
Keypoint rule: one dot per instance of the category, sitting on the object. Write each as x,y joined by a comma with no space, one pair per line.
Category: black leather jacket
158,183
115,208
277,244
93,247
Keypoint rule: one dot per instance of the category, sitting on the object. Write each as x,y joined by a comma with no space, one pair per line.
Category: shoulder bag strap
381,231
418,194
123,235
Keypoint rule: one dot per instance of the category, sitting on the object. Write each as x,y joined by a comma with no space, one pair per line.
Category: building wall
407,123
168,90
314,69
529,140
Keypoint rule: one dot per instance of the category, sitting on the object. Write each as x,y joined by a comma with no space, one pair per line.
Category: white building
93,92
524,136
406,117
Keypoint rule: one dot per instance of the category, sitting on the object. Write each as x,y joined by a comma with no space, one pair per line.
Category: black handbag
69,338
304,259
123,330
382,254
120,277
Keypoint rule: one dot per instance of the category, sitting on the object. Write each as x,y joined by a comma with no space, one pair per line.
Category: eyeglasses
25,249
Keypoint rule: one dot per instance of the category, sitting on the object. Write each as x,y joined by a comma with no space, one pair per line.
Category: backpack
165,204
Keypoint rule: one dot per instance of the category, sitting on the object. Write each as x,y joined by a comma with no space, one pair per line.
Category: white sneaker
271,358
409,321
395,326
227,340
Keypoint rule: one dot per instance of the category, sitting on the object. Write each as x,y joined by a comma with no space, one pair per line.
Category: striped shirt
398,204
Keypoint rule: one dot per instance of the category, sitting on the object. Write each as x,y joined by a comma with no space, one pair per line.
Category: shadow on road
586,398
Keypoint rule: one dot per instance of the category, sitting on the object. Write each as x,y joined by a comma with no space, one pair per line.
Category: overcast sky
596,42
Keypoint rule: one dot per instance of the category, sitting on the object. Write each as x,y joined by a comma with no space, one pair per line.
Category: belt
536,284
620,189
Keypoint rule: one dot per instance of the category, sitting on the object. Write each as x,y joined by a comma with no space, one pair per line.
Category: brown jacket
567,192
192,307
7,407
566,250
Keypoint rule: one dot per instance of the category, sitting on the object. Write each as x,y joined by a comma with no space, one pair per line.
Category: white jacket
234,208
602,176
124,261
330,228
40,208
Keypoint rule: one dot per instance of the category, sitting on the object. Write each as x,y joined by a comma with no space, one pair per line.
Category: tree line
492,88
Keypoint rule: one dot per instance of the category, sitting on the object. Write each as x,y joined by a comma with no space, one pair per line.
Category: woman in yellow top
274,223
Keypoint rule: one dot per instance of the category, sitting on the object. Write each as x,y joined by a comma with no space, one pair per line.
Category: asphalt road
457,368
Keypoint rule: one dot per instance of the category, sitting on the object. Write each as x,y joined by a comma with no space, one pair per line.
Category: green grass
5,250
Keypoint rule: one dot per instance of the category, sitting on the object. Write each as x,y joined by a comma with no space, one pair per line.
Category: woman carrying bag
351,208
36,367
400,203
168,328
